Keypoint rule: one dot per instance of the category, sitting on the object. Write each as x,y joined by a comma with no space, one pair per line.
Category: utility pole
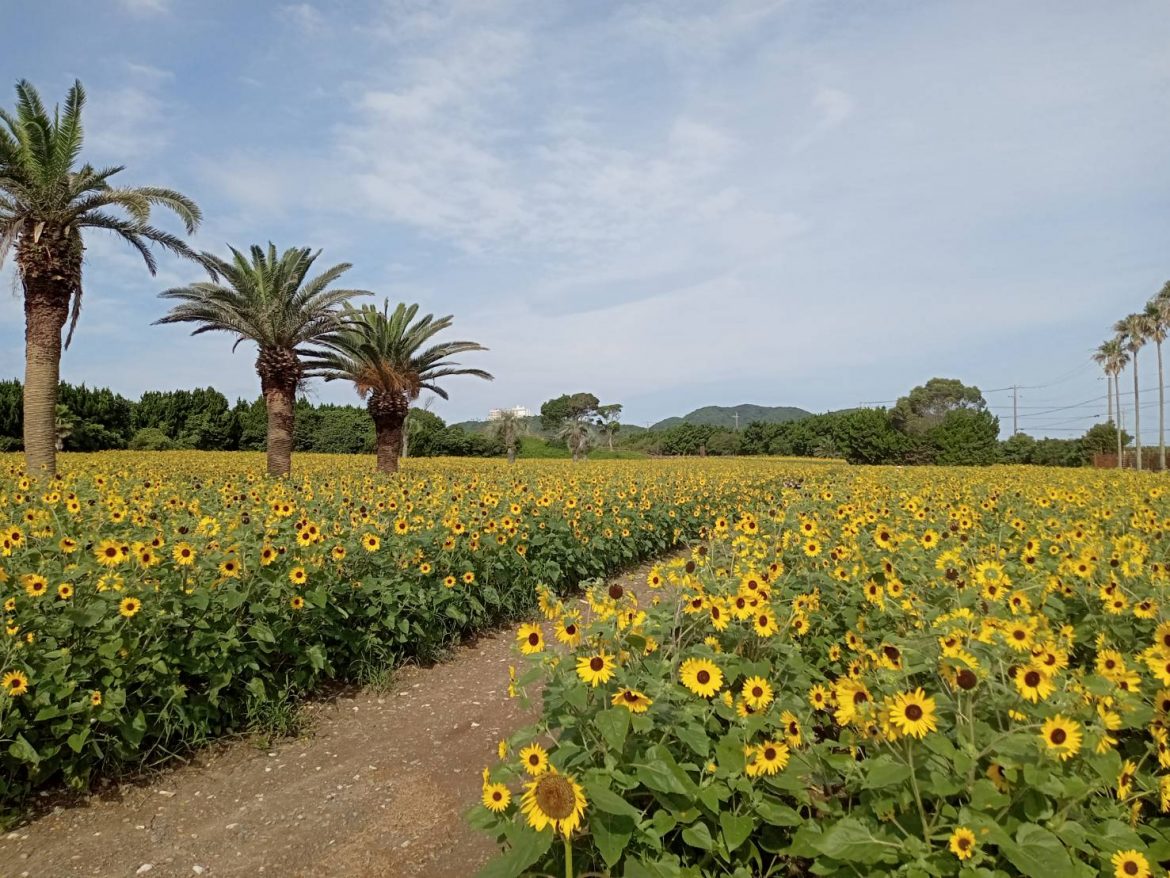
1015,409
736,414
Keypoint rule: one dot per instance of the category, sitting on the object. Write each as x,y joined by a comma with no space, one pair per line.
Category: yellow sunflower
1061,736
595,669
496,797
962,843
701,676
14,683
530,637
129,607
757,692
534,758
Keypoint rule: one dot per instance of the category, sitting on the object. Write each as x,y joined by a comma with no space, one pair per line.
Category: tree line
98,419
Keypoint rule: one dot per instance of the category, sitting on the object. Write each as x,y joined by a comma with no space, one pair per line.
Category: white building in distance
519,411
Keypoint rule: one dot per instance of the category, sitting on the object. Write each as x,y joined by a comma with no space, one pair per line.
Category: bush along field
155,601
882,672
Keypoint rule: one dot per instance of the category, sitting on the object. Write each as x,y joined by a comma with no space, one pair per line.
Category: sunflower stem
568,857
917,794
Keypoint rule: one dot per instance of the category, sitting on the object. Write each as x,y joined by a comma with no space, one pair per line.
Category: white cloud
304,16
146,7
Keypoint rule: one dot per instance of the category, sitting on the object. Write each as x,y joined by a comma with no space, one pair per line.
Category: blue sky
669,203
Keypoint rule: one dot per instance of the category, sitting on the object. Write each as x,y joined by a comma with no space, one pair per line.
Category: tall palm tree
1132,332
1157,316
1112,358
271,300
47,203
381,352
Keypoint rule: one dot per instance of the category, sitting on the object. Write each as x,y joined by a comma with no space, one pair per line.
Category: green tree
47,205
1104,439
382,353
965,437
867,436
607,421
927,405
577,406
151,439
268,299
1017,448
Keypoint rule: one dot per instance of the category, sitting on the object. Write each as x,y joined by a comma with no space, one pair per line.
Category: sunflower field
155,601
870,671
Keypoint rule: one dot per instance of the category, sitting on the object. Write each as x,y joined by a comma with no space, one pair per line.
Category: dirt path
378,789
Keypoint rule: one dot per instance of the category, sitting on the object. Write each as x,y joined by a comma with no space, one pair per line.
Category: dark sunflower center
966,679
763,621
554,796
631,696
570,630
1058,736
1032,679
703,677
913,712
769,753
757,692
533,639
1130,867
964,843
860,697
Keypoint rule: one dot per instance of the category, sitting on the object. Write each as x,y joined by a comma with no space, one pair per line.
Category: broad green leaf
613,724
1037,853
736,828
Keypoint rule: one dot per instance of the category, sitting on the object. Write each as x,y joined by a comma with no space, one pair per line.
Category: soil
379,787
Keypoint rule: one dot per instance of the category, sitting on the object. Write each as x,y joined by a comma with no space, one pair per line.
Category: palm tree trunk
1109,395
45,312
1137,419
512,452
280,402
1117,392
1161,414
388,443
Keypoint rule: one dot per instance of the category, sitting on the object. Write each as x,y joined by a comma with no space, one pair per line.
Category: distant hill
724,416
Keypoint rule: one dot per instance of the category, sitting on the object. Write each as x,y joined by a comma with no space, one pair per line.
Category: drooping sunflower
912,713
534,758
962,843
1061,736
14,683
595,669
701,676
129,607
632,700
530,637
555,800
757,692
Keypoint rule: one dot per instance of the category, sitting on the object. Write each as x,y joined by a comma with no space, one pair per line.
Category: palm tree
578,435
1132,332
268,299
507,428
64,425
381,352
47,203
1157,315
1112,357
